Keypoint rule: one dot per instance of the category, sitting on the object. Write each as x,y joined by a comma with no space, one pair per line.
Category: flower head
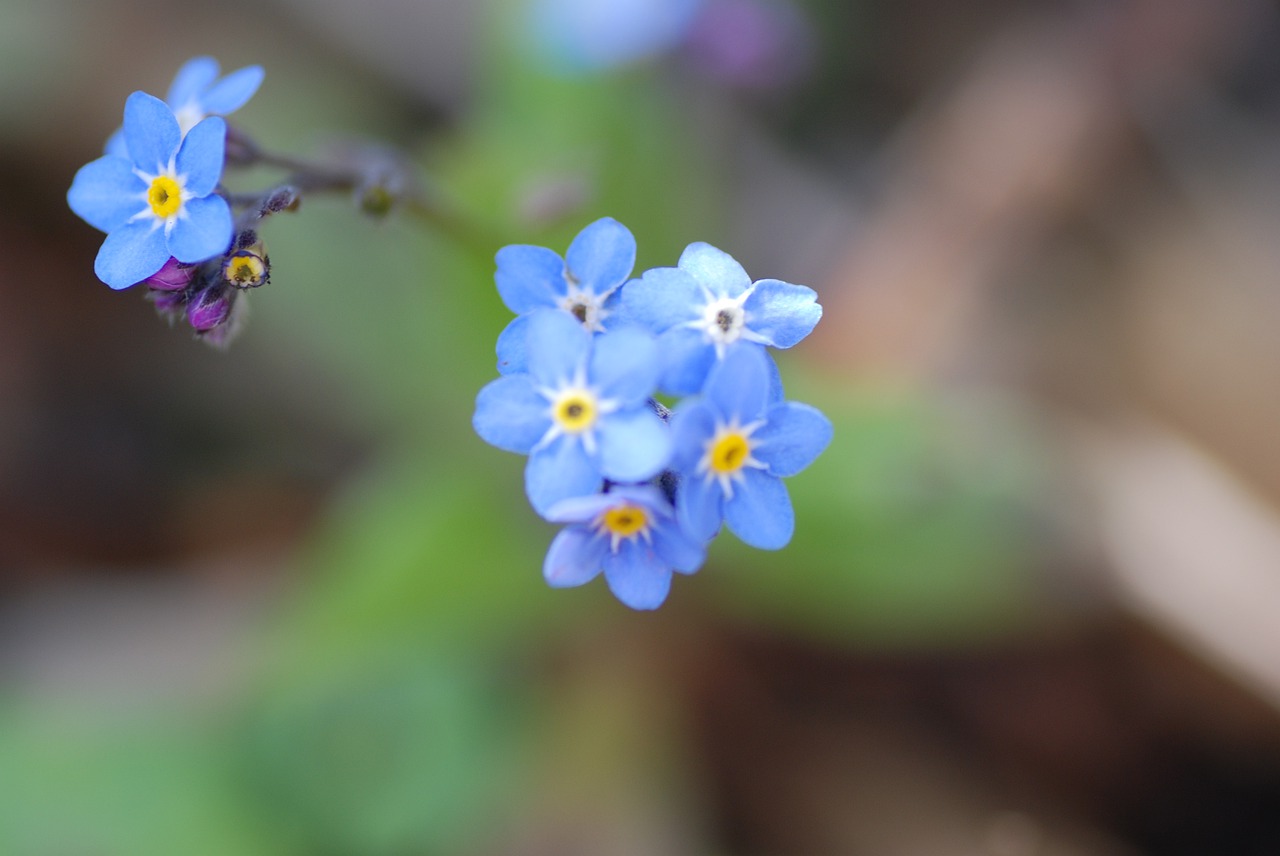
583,284
629,533
733,447
708,303
158,203
582,411
591,35
197,92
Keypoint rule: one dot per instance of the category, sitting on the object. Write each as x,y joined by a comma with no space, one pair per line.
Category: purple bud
168,304
210,307
174,276
753,44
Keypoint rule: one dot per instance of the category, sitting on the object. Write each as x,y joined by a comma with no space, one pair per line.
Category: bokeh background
281,600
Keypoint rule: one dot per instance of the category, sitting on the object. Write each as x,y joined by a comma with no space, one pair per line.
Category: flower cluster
644,489
173,226
156,193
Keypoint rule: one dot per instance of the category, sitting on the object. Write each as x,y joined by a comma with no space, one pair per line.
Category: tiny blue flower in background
733,447
197,92
707,304
159,203
592,35
584,283
629,533
582,411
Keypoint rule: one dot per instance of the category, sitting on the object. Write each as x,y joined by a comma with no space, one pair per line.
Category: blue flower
581,413
631,534
708,303
590,35
584,283
196,93
159,203
733,447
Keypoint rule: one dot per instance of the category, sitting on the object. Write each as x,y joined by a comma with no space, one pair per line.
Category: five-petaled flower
629,533
197,92
708,303
733,447
584,283
581,413
160,202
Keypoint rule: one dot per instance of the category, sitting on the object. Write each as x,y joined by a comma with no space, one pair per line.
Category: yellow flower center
576,412
729,453
245,269
164,196
625,520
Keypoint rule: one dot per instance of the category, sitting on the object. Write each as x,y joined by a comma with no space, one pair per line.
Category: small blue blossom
733,447
582,411
160,202
708,303
631,534
584,283
197,93
591,35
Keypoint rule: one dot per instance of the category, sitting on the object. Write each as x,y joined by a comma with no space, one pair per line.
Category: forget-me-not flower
733,448
582,411
158,203
629,533
197,92
592,35
584,283
708,303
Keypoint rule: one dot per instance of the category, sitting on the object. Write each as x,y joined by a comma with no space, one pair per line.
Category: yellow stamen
576,412
625,520
164,196
729,453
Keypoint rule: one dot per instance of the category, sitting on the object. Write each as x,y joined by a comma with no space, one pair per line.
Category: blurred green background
281,600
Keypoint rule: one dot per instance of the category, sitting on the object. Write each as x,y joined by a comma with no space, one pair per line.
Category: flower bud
210,307
248,266
174,276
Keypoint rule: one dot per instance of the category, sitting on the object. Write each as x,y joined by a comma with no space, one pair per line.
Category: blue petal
557,472
782,313
130,254
195,76
637,576
231,92
634,445
692,425
529,277
557,346
576,556
511,415
662,298
150,131
581,509
760,511
677,548
201,156
512,356
687,356
204,232
794,435
699,506
715,269
106,193
738,385
776,393
602,255
624,365
115,145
